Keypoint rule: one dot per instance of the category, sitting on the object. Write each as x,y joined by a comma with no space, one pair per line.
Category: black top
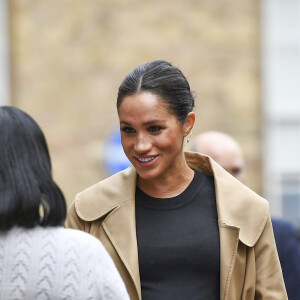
178,243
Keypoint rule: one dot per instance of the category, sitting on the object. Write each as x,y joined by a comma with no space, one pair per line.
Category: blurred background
63,60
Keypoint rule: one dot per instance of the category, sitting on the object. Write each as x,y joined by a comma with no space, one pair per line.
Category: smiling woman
153,144
176,224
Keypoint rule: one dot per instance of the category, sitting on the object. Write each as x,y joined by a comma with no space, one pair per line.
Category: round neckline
173,202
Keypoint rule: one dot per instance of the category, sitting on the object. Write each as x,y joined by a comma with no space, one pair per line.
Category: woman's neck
168,186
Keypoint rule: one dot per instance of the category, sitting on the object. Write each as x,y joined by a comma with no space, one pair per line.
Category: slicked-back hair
26,182
164,80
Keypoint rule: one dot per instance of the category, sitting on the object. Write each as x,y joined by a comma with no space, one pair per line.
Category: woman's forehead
143,102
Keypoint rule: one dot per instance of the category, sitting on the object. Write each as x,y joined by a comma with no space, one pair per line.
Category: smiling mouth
147,159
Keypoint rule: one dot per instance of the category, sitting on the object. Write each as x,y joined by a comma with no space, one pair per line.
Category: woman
39,259
177,225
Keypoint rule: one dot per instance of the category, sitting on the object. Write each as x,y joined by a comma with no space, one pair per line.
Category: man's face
232,161
224,150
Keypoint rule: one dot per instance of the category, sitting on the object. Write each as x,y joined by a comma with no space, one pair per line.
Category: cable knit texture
56,263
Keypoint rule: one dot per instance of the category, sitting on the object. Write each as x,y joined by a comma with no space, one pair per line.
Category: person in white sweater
39,259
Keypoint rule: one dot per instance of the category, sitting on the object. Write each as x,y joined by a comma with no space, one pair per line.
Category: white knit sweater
56,263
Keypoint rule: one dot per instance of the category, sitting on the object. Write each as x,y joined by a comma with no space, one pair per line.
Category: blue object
114,158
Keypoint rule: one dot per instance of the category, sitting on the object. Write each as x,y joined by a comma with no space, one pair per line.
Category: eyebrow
146,123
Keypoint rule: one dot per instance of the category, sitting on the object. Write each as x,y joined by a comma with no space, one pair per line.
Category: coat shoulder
238,206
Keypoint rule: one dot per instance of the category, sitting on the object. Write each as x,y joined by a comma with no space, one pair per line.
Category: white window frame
280,49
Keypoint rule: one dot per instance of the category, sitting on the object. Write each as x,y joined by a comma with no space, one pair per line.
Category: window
281,106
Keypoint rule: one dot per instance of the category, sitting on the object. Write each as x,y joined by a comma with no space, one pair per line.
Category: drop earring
189,137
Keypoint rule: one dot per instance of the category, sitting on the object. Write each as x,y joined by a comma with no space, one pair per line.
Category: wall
68,58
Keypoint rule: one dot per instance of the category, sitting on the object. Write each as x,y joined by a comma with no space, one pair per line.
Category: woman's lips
146,161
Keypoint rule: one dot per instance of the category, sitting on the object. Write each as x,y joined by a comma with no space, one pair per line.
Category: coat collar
237,205
101,198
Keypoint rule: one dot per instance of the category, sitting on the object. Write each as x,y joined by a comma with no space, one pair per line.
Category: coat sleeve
269,278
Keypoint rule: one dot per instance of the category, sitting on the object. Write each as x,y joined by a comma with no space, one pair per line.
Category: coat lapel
241,215
120,228
229,234
114,198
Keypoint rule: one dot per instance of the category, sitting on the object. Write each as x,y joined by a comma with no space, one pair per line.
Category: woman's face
152,137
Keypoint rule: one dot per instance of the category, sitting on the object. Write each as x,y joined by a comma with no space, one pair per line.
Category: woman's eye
155,128
127,129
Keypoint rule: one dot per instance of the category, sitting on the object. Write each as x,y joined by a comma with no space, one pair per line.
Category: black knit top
178,243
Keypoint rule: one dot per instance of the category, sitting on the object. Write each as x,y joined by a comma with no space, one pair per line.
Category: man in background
228,154
223,149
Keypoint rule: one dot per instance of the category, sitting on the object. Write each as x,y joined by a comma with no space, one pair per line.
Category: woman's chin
147,174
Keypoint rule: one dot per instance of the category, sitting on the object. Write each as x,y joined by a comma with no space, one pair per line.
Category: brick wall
69,57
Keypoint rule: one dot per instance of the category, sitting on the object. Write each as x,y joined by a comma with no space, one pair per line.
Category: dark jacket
287,242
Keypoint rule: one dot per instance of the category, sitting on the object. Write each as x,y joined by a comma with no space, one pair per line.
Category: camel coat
249,264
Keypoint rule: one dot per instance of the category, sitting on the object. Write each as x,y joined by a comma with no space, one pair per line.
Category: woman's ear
189,123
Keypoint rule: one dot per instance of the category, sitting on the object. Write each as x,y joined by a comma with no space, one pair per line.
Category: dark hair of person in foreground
28,194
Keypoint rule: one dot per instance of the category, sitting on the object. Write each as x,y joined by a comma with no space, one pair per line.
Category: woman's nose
142,144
